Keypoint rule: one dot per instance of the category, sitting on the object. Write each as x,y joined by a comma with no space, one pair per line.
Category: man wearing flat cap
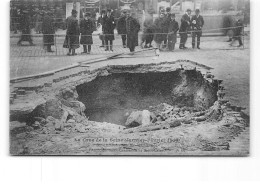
72,35
87,27
197,22
185,26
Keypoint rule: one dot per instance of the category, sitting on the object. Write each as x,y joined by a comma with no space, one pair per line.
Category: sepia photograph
129,77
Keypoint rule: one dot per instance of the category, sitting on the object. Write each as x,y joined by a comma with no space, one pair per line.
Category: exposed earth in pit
171,108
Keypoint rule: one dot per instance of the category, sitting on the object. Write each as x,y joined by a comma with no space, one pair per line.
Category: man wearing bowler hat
108,30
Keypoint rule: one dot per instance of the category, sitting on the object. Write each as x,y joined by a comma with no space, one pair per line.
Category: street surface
232,64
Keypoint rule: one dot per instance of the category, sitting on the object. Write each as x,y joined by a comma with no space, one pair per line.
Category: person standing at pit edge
172,32
238,33
165,24
25,25
132,29
48,31
87,27
108,29
184,28
72,35
121,27
197,22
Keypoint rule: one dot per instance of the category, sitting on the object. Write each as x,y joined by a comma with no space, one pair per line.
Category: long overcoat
48,30
132,28
185,24
158,32
108,27
121,25
87,27
197,22
72,34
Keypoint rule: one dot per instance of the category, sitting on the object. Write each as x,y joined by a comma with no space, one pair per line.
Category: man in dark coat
121,27
25,25
167,19
72,35
132,29
87,27
108,30
228,23
197,22
237,33
48,31
172,32
185,25
158,32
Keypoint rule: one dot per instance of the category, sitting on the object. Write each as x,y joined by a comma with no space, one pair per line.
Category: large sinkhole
111,98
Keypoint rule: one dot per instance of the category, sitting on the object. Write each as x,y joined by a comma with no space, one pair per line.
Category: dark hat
197,10
168,9
87,14
74,11
188,10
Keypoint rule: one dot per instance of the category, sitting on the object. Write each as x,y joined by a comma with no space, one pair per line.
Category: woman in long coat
87,27
132,29
48,31
108,30
72,35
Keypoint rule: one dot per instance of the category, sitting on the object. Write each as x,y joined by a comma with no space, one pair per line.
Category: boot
49,49
111,48
84,49
73,52
69,51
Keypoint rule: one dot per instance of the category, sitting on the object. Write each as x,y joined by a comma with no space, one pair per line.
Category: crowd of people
127,26
163,30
